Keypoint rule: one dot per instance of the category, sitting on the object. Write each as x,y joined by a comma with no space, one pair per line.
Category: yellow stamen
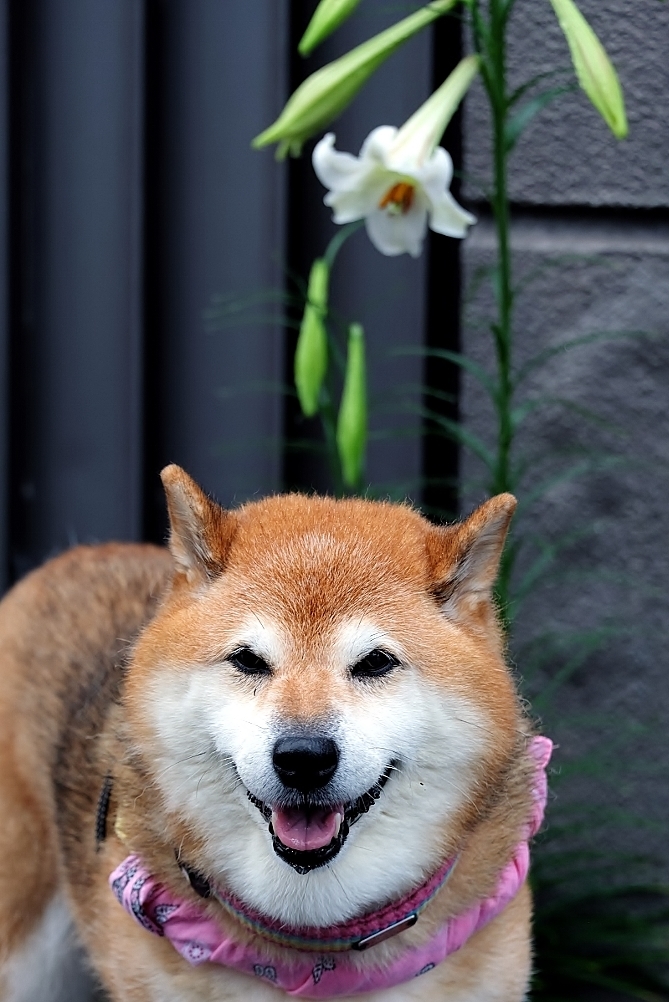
399,198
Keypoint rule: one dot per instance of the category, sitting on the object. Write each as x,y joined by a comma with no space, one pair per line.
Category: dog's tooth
340,818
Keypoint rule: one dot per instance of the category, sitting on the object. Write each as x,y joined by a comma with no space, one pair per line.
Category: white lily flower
399,184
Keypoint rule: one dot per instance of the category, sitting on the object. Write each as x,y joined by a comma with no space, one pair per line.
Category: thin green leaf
590,465
460,434
507,8
229,310
521,412
480,275
462,361
516,125
432,394
549,648
556,261
547,353
482,36
591,641
532,82
548,555
339,239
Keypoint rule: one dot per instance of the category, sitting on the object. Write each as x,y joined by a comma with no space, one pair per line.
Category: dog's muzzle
310,832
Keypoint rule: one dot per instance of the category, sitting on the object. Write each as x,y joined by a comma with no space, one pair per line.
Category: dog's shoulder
80,590
55,623
65,634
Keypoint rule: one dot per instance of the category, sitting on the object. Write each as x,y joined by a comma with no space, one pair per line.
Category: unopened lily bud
326,93
594,69
352,420
326,18
311,354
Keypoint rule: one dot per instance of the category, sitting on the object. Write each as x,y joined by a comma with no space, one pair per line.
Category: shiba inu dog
285,757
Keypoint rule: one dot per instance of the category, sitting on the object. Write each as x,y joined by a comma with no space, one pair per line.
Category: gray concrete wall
590,242
567,156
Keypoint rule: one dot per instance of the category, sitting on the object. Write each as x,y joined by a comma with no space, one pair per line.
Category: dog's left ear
463,559
200,530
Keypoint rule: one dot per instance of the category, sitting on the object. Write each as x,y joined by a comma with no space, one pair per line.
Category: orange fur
128,620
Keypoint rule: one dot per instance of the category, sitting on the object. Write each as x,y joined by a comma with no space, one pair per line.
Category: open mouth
308,835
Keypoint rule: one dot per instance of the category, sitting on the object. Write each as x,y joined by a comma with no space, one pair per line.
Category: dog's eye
374,665
249,663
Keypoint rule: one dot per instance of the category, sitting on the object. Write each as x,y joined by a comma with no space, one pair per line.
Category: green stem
339,239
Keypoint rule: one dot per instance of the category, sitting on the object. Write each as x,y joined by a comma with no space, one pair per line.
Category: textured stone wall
567,156
590,242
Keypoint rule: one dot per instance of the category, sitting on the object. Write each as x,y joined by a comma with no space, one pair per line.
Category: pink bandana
199,938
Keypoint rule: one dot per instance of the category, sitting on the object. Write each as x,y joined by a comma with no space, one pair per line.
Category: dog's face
322,698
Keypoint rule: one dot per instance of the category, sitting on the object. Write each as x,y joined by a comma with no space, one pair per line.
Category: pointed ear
200,530
464,558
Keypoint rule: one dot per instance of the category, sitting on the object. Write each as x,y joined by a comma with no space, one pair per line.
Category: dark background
130,197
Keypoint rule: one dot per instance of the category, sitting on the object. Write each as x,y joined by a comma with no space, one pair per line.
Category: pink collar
199,938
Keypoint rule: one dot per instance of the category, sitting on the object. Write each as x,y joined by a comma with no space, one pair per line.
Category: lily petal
395,203
400,234
449,218
378,144
420,134
356,185
348,206
336,171
436,175
446,216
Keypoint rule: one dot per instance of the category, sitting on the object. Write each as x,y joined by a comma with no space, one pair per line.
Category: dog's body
228,707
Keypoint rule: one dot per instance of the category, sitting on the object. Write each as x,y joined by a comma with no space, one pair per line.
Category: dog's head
322,697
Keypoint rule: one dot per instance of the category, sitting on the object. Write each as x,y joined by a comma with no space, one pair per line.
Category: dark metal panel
441,455
388,295
219,230
77,415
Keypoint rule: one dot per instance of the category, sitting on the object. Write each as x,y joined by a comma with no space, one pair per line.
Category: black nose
304,763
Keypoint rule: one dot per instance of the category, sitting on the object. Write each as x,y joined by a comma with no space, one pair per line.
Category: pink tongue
305,829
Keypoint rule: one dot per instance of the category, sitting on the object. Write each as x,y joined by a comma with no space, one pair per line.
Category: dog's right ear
464,559
200,530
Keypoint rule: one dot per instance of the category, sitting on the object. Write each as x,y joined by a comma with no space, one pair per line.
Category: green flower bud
326,93
311,353
594,70
327,17
352,420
